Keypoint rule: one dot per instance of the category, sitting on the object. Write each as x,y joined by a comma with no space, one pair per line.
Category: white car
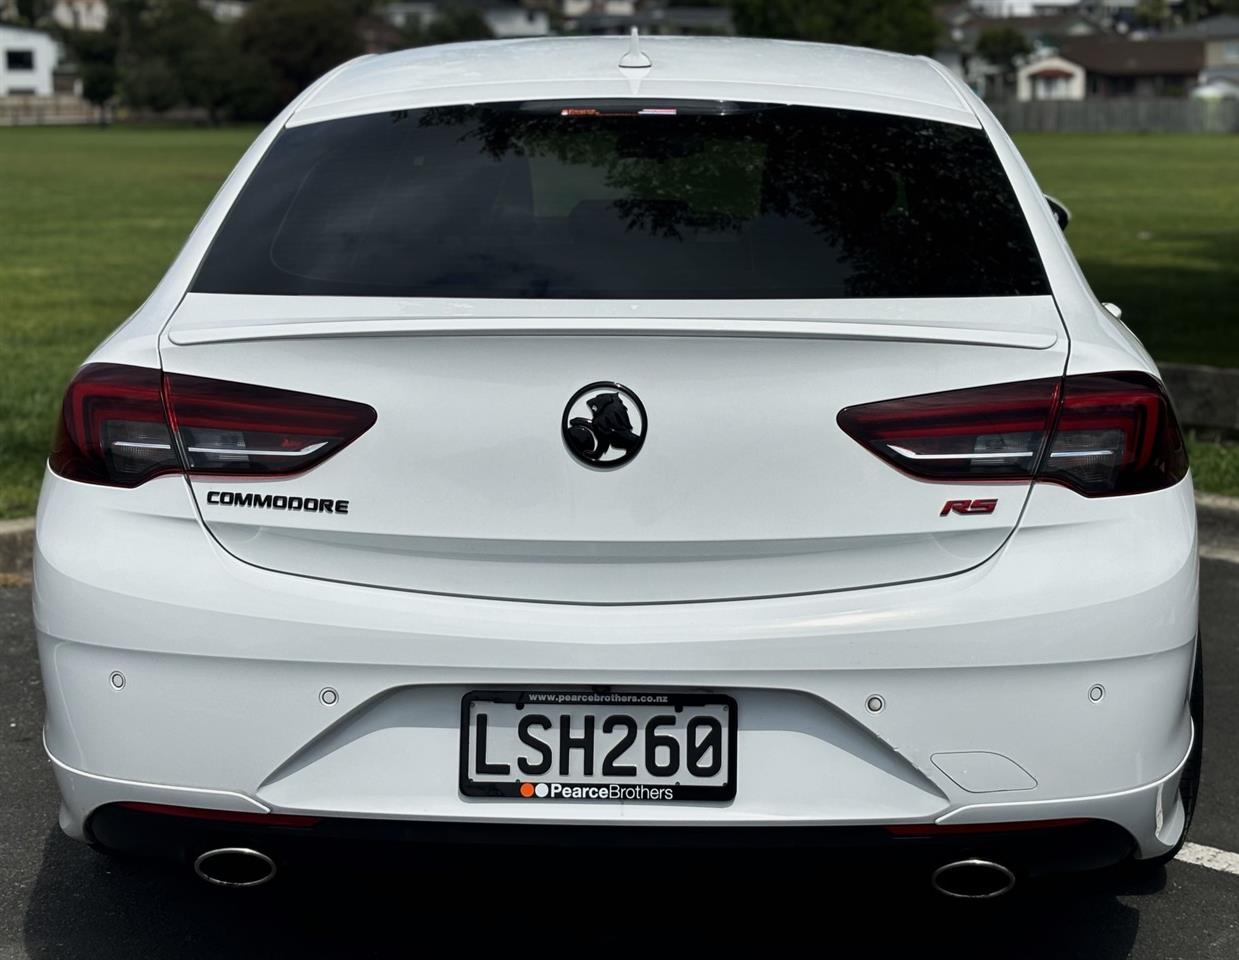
648,441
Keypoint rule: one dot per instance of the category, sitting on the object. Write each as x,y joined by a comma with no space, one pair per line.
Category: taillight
112,428
239,428
983,433
1099,434
1116,433
115,427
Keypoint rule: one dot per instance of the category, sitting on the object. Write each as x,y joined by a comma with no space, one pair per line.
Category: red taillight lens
984,433
1116,433
1108,434
114,427
239,428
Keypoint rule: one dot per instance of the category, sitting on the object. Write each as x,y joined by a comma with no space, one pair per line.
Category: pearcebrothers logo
595,791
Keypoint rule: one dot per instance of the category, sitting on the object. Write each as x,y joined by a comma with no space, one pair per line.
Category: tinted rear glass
627,200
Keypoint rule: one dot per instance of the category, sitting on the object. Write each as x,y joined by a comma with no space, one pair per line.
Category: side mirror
1060,211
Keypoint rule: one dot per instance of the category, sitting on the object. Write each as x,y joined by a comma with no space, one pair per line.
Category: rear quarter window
627,200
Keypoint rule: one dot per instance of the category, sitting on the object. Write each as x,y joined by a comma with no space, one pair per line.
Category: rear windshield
627,200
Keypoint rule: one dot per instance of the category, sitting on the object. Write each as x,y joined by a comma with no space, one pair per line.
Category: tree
32,12
906,26
95,54
171,53
1004,47
452,25
1153,13
213,73
1193,10
287,44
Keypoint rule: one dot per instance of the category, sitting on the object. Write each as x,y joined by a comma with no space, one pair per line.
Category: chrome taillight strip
913,455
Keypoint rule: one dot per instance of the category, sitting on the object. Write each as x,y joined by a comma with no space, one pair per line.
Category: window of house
1230,51
19,59
1051,88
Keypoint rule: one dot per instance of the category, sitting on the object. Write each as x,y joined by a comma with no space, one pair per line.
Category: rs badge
968,506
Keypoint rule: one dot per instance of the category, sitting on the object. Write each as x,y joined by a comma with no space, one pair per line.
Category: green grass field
90,218
1215,465
1156,228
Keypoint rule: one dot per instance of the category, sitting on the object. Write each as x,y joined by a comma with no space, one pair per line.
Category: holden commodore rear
680,442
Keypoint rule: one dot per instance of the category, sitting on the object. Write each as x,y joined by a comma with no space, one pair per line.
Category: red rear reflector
114,427
1108,434
954,829
228,816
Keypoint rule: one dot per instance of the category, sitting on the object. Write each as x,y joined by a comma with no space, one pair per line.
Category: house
504,20
80,14
652,18
1113,67
514,21
1022,8
673,18
572,9
1051,78
416,15
1220,36
225,11
1114,9
28,59
963,28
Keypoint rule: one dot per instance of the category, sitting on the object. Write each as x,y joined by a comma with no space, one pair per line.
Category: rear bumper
223,665
1056,847
1100,831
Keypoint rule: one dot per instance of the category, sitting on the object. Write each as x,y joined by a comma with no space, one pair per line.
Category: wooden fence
1120,115
56,110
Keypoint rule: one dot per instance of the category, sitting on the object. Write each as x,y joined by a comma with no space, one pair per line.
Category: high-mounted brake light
1099,434
122,425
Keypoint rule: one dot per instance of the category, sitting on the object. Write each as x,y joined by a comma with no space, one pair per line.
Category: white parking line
1210,857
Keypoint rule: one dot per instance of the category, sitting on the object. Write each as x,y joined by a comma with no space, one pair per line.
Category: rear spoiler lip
635,326
1030,323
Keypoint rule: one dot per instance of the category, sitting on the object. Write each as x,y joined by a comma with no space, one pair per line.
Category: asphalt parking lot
59,899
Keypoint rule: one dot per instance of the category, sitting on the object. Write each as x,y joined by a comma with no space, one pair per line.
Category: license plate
575,746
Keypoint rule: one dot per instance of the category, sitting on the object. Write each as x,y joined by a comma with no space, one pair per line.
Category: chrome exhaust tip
235,867
973,880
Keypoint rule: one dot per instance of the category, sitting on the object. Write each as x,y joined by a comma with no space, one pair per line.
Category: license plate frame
674,788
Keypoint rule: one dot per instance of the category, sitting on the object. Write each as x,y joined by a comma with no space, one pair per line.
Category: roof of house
694,68
1135,58
1222,27
1049,29
1049,67
1050,24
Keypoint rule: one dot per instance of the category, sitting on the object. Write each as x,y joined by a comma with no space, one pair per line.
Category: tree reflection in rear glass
627,200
